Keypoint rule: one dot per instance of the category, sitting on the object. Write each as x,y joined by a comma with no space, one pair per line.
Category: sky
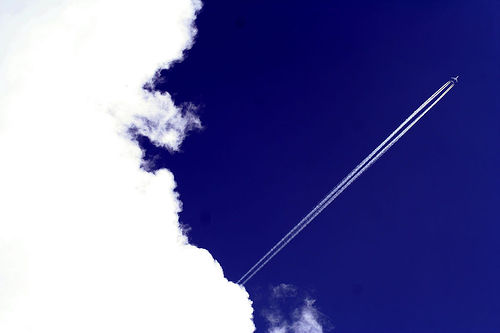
261,108
292,96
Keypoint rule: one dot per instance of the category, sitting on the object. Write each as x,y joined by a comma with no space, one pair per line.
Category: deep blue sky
292,96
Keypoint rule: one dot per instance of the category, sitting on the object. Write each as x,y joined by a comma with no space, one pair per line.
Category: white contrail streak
345,180
348,180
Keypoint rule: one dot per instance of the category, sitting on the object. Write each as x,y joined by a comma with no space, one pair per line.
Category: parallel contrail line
346,179
346,182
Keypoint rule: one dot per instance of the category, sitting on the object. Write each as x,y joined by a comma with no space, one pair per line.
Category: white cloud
284,290
303,319
89,242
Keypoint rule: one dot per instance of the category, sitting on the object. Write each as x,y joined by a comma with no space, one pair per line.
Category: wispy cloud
285,315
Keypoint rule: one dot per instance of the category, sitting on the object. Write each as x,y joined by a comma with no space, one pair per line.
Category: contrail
345,180
349,179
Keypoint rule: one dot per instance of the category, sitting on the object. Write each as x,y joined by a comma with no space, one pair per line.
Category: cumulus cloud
90,242
304,318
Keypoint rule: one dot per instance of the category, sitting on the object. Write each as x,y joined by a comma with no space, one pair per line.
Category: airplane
454,79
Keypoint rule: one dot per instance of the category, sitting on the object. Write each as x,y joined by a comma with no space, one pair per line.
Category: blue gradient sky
292,96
